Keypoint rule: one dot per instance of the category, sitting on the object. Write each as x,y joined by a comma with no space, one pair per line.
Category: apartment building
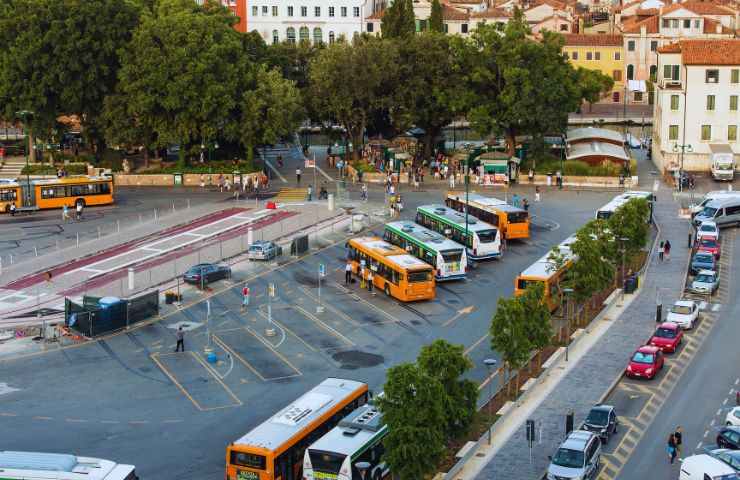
604,53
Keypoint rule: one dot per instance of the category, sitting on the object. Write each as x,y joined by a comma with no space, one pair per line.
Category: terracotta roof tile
451,13
670,48
553,3
706,51
493,12
595,40
377,15
710,26
619,8
651,24
699,8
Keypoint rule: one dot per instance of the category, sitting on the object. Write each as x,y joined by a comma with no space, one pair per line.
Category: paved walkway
585,385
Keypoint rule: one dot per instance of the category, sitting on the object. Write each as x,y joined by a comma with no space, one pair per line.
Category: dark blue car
703,261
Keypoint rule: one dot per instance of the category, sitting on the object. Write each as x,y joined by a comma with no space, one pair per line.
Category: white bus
608,210
447,257
357,438
483,240
58,466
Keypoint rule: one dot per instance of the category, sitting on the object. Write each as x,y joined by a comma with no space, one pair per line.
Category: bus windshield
487,236
517,217
326,462
451,256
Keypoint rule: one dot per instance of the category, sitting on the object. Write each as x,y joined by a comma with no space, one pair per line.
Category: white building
314,21
696,104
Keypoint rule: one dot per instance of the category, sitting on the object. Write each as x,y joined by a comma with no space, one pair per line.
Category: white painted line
719,410
724,402
267,162
706,434
193,234
323,172
90,270
150,249
716,307
737,380
698,445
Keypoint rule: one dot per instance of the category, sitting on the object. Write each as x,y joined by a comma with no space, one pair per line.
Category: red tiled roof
493,12
377,15
451,13
553,3
650,23
670,48
710,26
706,51
595,40
619,8
699,8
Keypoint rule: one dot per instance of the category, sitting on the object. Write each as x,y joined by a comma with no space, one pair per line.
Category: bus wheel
387,290
80,202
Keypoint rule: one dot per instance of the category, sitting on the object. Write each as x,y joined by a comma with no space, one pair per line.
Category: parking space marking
157,358
330,307
322,325
262,374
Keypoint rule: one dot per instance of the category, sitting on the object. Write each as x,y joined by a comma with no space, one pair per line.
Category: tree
447,363
429,95
593,84
436,23
537,318
348,82
509,335
398,20
593,270
630,221
412,407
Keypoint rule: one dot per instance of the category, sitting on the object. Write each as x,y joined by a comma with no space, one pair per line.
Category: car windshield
708,212
707,228
640,357
681,309
665,333
597,417
487,236
704,278
731,458
568,458
255,248
708,242
704,258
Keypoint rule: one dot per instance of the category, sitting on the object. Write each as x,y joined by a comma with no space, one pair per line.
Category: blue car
703,261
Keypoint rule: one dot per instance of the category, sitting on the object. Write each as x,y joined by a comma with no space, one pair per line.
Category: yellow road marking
237,356
321,324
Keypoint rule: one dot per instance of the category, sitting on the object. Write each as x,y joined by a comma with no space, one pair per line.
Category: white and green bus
58,466
446,256
483,240
357,438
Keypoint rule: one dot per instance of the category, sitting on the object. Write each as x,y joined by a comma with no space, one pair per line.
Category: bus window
487,236
430,258
416,277
7,195
522,284
517,217
250,460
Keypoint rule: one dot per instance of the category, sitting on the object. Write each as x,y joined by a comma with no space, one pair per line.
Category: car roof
647,349
706,272
709,464
577,440
670,325
685,303
732,428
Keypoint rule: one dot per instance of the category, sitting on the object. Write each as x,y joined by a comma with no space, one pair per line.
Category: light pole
568,292
490,363
683,148
623,240
24,115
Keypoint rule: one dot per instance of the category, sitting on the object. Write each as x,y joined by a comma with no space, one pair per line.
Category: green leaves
630,222
398,20
436,23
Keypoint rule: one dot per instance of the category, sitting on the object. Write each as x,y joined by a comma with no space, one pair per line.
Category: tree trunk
510,141
29,145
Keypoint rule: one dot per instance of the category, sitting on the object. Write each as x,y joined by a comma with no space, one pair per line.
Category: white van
705,467
715,195
725,212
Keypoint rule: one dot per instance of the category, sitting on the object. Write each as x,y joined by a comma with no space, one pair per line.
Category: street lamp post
24,115
490,363
568,292
683,148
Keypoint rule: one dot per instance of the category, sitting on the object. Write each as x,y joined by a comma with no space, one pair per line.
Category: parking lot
133,386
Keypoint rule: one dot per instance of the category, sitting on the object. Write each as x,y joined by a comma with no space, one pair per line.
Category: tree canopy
436,22
398,20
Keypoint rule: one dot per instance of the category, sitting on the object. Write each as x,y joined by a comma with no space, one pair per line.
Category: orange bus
71,191
395,272
10,192
512,221
546,272
274,450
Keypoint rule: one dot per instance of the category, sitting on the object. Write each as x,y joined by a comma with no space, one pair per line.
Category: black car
208,271
729,437
602,420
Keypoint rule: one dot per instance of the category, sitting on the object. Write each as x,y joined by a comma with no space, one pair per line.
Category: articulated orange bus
56,193
546,272
512,221
275,449
395,272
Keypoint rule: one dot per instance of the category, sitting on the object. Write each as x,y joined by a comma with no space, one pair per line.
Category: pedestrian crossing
288,195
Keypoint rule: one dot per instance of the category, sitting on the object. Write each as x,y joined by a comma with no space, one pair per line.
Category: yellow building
598,52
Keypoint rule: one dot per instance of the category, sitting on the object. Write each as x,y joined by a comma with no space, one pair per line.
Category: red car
667,337
709,244
645,362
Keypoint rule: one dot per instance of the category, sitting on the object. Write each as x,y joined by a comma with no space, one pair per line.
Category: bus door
28,195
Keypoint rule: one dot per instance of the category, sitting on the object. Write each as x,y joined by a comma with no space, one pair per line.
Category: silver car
264,250
578,457
706,281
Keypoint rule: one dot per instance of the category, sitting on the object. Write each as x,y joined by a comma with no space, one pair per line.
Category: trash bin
549,179
630,284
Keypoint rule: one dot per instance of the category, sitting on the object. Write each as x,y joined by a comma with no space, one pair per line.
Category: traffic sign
322,269
271,290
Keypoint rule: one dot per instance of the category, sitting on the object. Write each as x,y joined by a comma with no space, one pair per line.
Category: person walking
362,277
678,437
364,192
12,209
245,297
310,193
671,447
530,176
452,181
370,281
78,211
298,175
537,194
65,213
180,335
348,273
667,250
661,249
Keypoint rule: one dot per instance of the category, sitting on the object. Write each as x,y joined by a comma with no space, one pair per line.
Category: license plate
247,475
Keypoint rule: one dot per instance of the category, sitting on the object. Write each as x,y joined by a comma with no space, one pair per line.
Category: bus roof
455,217
429,238
76,467
312,405
408,262
379,246
649,196
484,201
544,268
353,432
70,180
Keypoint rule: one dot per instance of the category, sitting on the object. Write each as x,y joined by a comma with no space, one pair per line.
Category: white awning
636,86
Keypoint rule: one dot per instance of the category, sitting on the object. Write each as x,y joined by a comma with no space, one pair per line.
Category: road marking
706,434
326,175
321,324
41,418
474,345
8,414
75,420
269,164
463,311
698,445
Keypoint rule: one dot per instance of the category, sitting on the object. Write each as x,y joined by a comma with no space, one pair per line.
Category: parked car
646,362
703,467
710,245
667,337
703,261
706,281
205,273
730,457
264,250
684,313
729,437
578,457
707,229
602,420
733,417
725,212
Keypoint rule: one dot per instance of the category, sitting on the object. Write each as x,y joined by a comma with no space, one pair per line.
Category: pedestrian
78,211
452,181
661,249
202,181
678,436
370,281
348,273
671,447
298,175
515,200
12,209
537,193
220,182
364,192
65,213
310,193
667,250
530,176
362,276
245,297
180,335
525,205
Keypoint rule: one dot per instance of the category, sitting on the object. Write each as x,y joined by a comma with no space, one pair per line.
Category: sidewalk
586,383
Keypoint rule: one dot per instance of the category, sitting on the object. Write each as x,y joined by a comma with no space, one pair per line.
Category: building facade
696,104
604,53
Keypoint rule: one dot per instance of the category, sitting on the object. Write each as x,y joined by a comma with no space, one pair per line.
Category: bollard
188,203
155,215
78,239
140,219
173,207
11,258
690,239
659,313
98,233
118,226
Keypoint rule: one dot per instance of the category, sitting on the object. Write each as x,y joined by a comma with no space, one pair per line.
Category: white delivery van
706,467
714,195
723,162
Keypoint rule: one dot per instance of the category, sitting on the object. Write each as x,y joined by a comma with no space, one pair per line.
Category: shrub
46,169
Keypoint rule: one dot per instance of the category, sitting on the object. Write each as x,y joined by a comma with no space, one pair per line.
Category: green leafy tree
447,363
509,335
537,318
593,84
436,22
413,408
398,20
349,82
630,222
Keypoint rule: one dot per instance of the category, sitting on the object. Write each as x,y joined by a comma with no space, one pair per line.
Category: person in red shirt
245,297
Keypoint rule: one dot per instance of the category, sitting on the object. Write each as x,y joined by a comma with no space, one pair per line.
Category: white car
733,417
684,313
707,229
703,467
